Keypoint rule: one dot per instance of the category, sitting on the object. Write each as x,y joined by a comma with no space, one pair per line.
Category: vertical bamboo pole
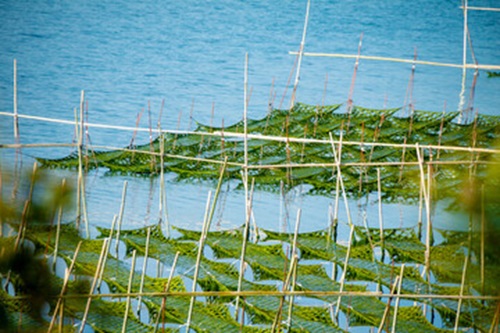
16,123
301,53
380,216
427,208
462,287
206,226
129,290
143,275
245,184
464,68
113,222
58,227
201,244
244,244
120,216
163,194
94,283
396,307
60,300
388,307
294,259
81,178
167,289
353,80
339,175
483,239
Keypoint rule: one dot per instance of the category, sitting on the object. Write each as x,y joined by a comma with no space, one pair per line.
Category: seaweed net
294,147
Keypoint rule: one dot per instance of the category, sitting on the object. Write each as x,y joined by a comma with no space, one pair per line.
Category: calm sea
132,55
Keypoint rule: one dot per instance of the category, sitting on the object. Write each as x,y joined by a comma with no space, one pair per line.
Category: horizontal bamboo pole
37,145
491,9
263,137
400,60
277,293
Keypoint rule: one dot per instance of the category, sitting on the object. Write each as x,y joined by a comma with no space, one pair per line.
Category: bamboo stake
406,61
94,283
380,216
113,222
353,80
129,289
244,241
167,289
462,286
206,226
388,307
120,216
143,275
276,326
201,243
64,287
58,227
344,269
396,307
292,287
464,68
339,175
427,209
301,54
80,164
16,123
163,211
483,239
294,260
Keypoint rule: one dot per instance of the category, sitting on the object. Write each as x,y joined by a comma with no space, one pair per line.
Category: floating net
294,147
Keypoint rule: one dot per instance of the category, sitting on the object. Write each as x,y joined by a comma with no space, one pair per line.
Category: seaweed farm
409,242
253,279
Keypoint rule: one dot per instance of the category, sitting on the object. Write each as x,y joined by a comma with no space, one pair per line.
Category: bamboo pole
16,122
344,270
244,242
294,260
58,227
129,290
64,287
493,9
462,287
464,68
234,135
113,223
278,293
380,216
163,211
353,79
483,240
339,175
206,226
120,216
427,209
201,244
143,275
399,60
167,289
396,307
388,307
301,54
94,283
